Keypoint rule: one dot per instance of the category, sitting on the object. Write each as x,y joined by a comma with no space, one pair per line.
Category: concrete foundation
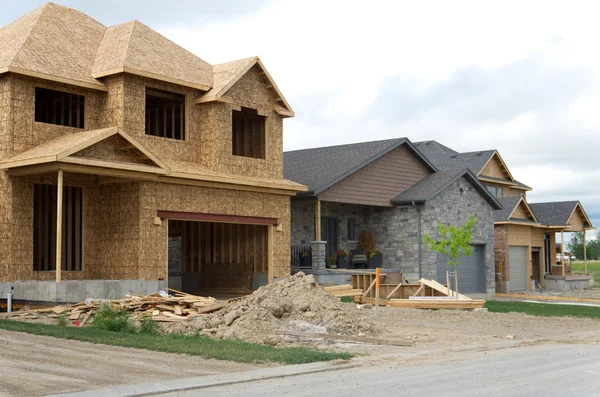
259,279
74,291
567,283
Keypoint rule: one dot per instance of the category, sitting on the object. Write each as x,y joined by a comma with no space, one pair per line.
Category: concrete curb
200,382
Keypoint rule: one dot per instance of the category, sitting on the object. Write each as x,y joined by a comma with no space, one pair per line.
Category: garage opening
217,259
471,271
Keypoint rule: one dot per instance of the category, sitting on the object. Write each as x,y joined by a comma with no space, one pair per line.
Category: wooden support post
456,283
59,200
318,220
377,285
584,253
562,251
270,254
448,283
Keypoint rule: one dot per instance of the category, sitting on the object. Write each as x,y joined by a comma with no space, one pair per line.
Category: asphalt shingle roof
508,205
319,168
433,184
554,214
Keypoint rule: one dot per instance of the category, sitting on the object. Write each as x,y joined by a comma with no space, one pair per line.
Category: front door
536,265
329,233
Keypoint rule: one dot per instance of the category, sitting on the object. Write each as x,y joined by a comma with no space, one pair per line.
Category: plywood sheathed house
142,132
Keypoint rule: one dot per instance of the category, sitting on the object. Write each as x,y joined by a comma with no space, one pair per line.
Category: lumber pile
343,290
176,307
433,295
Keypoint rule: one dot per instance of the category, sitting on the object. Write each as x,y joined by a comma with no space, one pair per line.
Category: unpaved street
39,365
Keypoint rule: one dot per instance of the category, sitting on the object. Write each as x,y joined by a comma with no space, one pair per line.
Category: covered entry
518,268
213,257
471,271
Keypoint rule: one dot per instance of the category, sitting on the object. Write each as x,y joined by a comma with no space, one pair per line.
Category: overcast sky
522,77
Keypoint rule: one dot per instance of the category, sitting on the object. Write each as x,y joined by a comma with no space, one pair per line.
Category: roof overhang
150,75
30,73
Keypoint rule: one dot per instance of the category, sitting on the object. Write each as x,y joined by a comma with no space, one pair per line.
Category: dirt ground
39,365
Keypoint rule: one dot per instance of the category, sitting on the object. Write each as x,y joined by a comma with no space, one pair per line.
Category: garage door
518,268
471,271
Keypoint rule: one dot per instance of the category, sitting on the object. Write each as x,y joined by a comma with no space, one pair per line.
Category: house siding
494,168
380,181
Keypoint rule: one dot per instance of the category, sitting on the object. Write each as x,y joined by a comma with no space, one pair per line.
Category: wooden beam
584,253
562,251
59,200
270,253
318,220
195,216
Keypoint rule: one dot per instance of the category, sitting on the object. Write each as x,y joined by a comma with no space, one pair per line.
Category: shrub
62,321
366,242
113,319
347,299
148,326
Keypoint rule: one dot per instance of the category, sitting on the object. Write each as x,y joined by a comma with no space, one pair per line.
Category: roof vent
453,156
480,153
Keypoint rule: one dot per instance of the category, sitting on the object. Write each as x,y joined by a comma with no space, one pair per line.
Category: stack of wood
176,307
343,290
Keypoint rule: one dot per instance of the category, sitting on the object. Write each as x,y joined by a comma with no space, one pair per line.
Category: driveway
40,365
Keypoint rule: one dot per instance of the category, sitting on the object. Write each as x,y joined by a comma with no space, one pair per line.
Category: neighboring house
390,189
525,233
129,164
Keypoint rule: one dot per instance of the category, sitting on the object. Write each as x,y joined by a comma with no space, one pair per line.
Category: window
248,134
165,114
61,108
44,231
351,229
496,191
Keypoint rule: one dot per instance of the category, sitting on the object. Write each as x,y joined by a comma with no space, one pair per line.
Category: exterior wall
380,181
576,221
154,196
521,212
302,212
501,254
452,207
342,212
508,191
494,169
396,229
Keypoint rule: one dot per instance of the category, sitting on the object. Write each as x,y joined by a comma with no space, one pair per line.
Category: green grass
593,268
234,350
544,310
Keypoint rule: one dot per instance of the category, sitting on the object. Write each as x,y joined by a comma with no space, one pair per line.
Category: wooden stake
377,285
59,200
448,282
456,282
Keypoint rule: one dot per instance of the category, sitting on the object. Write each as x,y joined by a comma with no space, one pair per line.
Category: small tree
453,241
366,242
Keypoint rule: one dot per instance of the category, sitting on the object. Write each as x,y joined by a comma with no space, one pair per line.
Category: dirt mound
285,305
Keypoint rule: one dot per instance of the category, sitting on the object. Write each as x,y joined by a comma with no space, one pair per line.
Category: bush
113,319
347,299
148,326
366,242
62,321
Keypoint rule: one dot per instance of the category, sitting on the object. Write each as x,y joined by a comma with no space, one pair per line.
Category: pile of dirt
296,300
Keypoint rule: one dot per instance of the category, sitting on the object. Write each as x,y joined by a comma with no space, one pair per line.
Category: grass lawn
233,350
593,269
542,309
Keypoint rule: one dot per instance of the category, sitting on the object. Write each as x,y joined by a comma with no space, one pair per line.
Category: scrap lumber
177,307
345,338
343,290
442,288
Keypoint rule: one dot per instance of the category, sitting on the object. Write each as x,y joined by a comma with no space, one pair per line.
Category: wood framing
150,75
190,216
59,211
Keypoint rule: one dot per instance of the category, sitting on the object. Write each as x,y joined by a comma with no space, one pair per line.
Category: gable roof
509,206
227,74
60,148
320,168
445,158
134,48
435,183
558,213
53,42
